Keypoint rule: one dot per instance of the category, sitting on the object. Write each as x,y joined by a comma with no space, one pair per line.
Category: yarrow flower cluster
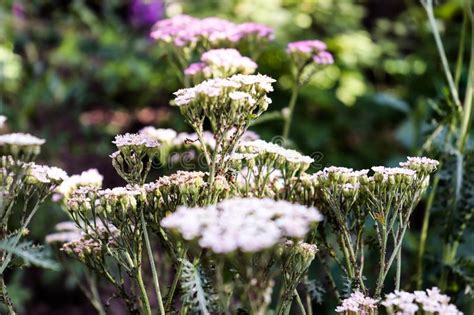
307,51
248,225
135,155
91,177
46,174
22,146
187,31
220,63
267,157
420,164
64,232
182,188
358,304
431,301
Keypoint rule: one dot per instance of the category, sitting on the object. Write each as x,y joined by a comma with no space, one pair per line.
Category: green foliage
29,253
198,294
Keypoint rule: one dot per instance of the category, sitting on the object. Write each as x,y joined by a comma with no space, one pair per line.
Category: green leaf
198,294
266,117
30,254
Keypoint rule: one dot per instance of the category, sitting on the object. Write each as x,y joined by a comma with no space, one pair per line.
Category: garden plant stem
291,108
143,292
151,258
424,234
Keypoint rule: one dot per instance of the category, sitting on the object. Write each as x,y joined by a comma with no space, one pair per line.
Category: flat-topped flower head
240,224
118,201
230,104
287,159
307,51
91,177
252,31
46,174
306,46
393,175
183,188
22,146
184,31
358,304
134,140
423,165
20,139
259,81
162,135
220,63
431,301
65,232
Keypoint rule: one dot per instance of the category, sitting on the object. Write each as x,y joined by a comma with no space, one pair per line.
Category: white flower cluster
90,177
422,164
220,63
135,140
22,146
220,88
358,304
163,135
249,225
185,140
20,139
272,155
65,232
46,174
431,301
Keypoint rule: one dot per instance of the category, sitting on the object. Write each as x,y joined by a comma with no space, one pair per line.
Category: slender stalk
174,285
459,62
299,303
4,298
309,305
467,108
291,108
424,234
95,297
383,251
151,258
399,270
428,5
143,292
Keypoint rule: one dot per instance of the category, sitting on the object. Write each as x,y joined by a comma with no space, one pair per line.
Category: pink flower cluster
220,63
306,50
184,30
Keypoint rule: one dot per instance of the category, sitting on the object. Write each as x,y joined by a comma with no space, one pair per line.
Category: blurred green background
78,72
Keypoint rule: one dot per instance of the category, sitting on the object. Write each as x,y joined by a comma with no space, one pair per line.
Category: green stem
459,62
4,298
428,5
95,297
174,285
424,234
151,258
467,108
399,270
143,292
291,107
383,250
300,303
